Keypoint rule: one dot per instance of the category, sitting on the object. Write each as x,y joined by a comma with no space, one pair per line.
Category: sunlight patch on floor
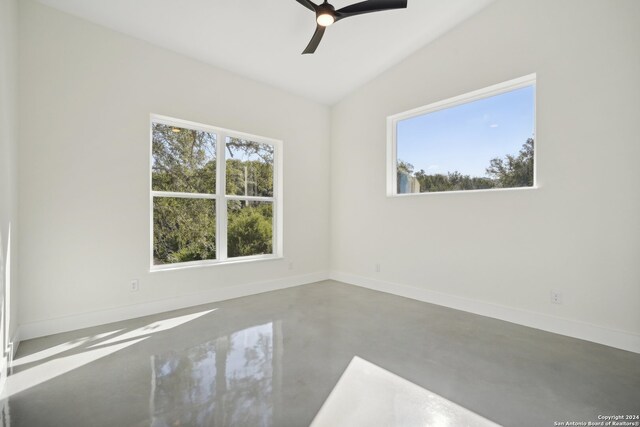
155,327
31,377
368,395
61,348
50,369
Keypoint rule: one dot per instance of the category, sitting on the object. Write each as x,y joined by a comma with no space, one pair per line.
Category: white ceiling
263,40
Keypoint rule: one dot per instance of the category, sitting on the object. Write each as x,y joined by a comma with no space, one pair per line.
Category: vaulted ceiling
263,39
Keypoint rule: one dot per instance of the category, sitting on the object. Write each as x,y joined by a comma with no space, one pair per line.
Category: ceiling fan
326,15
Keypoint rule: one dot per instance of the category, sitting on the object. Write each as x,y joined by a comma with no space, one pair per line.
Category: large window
215,195
479,141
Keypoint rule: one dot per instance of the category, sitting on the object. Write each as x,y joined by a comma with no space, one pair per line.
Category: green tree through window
480,140
508,172
185,203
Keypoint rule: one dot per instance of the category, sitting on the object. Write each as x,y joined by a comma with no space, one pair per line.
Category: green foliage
184,160
184,229
405,167
249,178
249,168
250,228
512,171
452,181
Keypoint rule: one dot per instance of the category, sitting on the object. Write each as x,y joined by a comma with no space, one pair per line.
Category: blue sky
466,137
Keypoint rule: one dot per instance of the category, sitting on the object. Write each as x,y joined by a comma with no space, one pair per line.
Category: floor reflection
226,381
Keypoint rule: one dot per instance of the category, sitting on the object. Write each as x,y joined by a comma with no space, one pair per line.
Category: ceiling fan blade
315,40
308,4
368,7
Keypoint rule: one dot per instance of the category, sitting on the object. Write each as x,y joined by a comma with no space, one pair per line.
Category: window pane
183,230
488,143
184,160
250,228
249,168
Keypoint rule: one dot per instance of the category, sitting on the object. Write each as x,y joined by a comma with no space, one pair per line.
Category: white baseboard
572,328
85,320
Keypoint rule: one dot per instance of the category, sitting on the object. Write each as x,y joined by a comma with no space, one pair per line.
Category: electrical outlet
377,267
291,265
135,285
556,297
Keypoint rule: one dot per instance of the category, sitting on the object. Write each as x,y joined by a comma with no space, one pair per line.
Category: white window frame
220,197
497,89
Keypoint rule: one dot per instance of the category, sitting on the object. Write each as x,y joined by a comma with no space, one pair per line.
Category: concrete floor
272,360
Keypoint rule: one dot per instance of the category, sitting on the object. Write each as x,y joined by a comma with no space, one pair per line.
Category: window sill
211,263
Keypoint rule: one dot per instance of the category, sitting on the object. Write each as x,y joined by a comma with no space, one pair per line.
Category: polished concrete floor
272,360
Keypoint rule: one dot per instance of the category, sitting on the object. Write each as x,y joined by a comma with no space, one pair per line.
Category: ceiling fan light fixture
326,15
325,19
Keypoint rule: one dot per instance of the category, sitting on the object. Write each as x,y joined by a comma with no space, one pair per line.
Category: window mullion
250,198
221,200
276,220
181,195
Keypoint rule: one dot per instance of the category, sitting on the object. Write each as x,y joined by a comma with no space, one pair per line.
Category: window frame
220,196
476,95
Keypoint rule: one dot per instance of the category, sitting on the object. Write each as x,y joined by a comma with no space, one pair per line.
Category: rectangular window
215,195
483,140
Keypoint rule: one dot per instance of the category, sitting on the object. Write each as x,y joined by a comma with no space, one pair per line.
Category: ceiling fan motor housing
326,9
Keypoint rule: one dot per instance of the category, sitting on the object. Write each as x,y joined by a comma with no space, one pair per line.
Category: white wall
86,96
8,172
500,253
